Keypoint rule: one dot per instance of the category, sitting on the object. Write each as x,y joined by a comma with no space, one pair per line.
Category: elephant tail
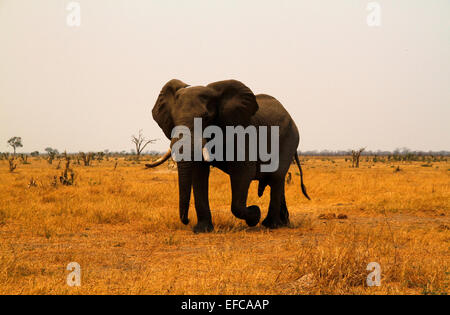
301,176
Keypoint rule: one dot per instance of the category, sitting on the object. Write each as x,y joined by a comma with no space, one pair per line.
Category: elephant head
224,103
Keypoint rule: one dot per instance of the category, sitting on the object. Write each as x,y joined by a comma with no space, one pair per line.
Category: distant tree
51,151
51,154
34,153
140,142
15,142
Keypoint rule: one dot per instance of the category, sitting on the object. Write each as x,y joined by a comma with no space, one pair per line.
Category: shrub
12,165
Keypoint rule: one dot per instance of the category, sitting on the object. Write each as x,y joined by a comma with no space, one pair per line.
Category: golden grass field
122,227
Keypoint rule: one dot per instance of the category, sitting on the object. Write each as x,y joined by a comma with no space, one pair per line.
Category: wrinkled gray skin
228,103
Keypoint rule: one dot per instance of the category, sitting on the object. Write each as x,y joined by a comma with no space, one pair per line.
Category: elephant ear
236,103
166,100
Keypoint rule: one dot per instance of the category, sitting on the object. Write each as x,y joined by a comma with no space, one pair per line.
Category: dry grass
122,227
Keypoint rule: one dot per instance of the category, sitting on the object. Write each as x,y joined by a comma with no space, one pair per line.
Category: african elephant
228,103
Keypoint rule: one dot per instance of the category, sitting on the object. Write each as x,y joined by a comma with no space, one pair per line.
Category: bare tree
289,178
15,142
355,157
141,142
87,158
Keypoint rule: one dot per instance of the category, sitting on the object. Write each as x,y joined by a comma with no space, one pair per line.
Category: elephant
228,103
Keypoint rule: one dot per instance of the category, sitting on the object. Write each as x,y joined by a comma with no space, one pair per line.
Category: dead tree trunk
140,142
355,157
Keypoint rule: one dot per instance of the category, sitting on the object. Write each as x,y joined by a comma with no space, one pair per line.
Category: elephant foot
285,222
203,227
253,216
273,224
285,219
284,213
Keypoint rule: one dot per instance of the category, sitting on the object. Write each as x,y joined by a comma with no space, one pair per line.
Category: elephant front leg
239,189
201,196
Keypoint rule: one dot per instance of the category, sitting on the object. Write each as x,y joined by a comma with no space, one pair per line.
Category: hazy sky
347,85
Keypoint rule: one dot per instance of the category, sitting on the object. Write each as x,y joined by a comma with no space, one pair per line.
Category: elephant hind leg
284,213
239,189
278,214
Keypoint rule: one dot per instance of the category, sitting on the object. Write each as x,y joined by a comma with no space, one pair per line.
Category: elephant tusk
159,161
206,155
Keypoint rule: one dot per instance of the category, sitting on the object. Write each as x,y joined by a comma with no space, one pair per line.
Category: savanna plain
119,222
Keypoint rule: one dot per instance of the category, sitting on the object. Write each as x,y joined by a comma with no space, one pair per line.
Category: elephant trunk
184,188
185,171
